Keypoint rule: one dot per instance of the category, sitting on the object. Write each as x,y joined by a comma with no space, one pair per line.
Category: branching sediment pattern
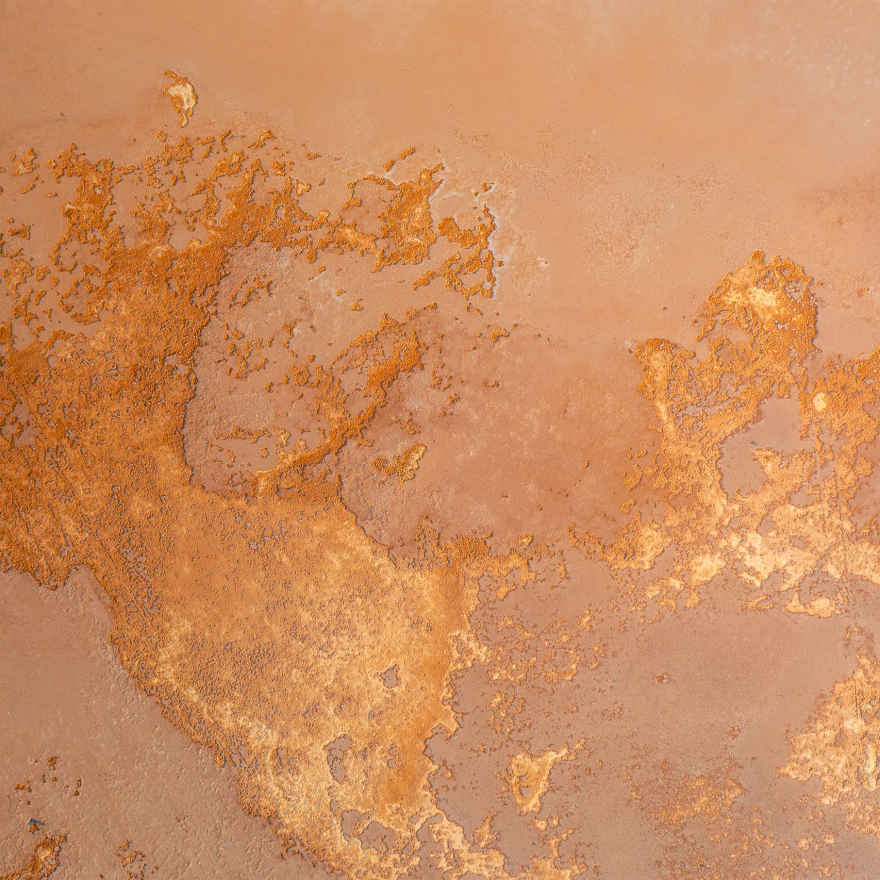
246,596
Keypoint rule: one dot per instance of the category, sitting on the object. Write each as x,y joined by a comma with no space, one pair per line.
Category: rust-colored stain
249,388
839,745
403,466
42,861
183,97
701,402
261,619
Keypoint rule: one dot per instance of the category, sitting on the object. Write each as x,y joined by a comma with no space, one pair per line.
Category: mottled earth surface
439,441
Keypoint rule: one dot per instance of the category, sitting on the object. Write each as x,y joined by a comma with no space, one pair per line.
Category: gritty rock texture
440,442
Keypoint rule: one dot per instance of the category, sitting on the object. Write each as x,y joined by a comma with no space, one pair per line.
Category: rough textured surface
85,751
455,479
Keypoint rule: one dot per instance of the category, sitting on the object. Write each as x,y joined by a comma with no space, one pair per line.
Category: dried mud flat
415,459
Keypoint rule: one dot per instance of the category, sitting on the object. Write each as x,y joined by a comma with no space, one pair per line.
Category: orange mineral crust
260,615
459,489
139,378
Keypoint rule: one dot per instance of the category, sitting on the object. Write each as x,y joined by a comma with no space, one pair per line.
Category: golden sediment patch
42,862
840,744
457,266
183,97
489,862
261,620
403,466
25,164
760,323
529,776
713,835
676,798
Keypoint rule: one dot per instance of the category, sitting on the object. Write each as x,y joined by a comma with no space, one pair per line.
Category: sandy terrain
440,440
